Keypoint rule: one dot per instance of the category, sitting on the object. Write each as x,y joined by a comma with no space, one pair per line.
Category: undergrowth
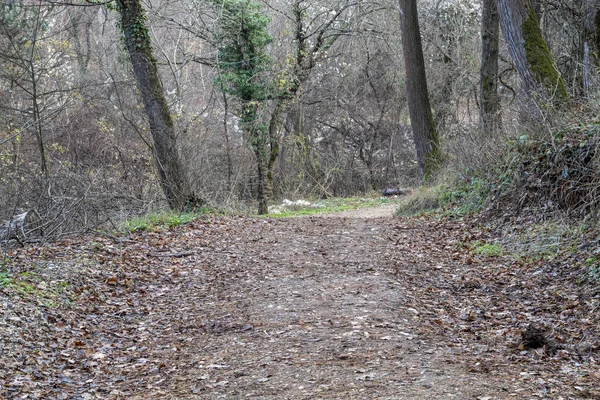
544,195
559,172
465,195
424,200
161,221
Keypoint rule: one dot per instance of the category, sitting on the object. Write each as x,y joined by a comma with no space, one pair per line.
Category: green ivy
245,66
243,59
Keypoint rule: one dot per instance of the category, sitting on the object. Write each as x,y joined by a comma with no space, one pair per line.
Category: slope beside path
336,307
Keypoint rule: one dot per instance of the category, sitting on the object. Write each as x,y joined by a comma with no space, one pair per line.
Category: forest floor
359,305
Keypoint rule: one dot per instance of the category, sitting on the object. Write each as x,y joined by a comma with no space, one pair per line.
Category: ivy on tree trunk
246,75
308,52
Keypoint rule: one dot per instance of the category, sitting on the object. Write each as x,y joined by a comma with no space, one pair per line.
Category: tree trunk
530,53
37,120
33,68
421,120
275,126
258,137
488,83
263,206
591,44
443,104
173,181
258,141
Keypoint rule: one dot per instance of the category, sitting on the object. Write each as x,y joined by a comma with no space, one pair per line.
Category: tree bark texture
263,206
537,8
259,139
591,44
488,81
421,119
530,52
275,125
171,172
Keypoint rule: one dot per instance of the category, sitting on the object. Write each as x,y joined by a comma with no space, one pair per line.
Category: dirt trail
308,308
329,320
349,306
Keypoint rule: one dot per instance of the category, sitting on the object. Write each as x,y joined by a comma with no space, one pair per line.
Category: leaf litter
341,307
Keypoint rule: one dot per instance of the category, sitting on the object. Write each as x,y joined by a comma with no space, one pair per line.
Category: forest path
309,308
317,307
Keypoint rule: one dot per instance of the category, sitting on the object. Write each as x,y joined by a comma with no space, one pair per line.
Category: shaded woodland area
480,280
114,109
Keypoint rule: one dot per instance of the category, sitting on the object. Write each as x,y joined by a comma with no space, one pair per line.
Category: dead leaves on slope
500,309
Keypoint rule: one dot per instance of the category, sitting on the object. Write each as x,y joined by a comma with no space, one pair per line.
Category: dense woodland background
322,104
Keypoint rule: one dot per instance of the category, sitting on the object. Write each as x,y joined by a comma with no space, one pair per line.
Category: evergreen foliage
245,73
243,59
245,64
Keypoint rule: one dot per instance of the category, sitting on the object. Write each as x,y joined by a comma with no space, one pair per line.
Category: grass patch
5,279
466,195
331,205
487,249
161,221
424,200
593,265
29,285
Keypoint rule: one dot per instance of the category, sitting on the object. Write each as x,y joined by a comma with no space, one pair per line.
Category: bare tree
313,37
171,172
421,119
591,43
26,67
488,81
